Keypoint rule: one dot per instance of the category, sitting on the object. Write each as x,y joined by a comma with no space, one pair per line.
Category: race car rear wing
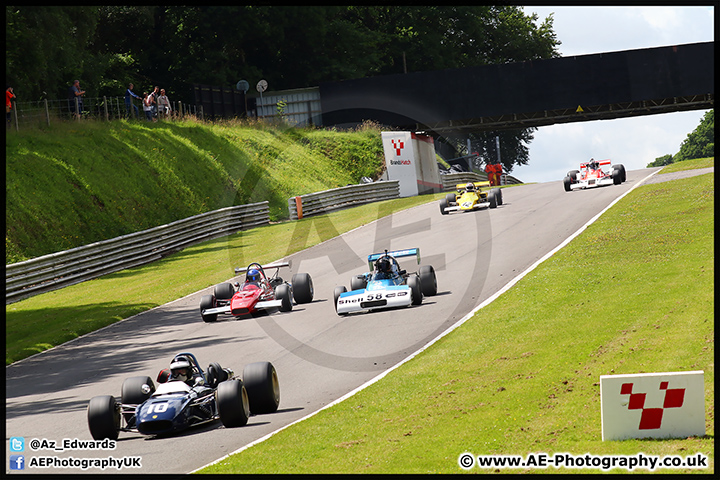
461,186
602,162
410,252
239,270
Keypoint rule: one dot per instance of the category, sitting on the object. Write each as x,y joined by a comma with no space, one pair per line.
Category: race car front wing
389,297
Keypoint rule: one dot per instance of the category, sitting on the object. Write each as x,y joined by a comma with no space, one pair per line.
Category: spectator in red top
9,96
494,172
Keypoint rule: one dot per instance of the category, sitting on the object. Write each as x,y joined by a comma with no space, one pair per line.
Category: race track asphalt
319,356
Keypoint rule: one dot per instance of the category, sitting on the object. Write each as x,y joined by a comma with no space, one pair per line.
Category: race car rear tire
450,198
443,206
131,392
215,375
428,280
492,199
620,167
336,295
232,403
498,195
617,177
282,292
566,183
104,417
263,387
415,289
224,291
207,301
303,290
358,282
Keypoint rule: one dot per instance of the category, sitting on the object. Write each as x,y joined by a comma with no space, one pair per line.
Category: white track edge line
491,299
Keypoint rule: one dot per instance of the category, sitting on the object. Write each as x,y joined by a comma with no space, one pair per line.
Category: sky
633,142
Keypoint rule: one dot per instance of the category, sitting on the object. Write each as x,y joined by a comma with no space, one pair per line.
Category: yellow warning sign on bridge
579,109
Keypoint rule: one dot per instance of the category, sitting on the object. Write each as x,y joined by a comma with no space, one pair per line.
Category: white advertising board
410,159
652,405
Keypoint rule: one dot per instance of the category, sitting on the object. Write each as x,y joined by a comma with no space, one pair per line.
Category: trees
701,142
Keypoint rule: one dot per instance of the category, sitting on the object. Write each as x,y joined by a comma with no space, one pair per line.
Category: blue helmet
253,275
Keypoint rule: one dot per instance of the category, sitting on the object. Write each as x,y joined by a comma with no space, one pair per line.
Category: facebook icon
17,462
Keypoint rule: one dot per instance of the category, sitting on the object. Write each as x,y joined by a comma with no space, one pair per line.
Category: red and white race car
256,293
591,174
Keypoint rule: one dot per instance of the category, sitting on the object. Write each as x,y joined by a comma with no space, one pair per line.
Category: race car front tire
443,206
104,417
282,292
215,375
263,387
498,195
573,175
358,282
492,198
207,301
415,289
620,167
617,177
224,291
132,391
303,290
450,198
232,403
566,183
336,295
428,280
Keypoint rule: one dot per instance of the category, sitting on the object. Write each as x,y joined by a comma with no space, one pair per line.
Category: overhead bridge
530,94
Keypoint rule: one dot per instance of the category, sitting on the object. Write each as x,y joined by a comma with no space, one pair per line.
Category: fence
61,269
452,179
342,197
97,108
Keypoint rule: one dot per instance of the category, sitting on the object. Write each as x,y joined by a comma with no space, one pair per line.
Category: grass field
522,375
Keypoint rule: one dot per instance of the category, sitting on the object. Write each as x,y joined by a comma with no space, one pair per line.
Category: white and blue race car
386,285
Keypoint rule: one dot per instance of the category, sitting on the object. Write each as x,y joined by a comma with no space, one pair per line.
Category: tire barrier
62,269
342,197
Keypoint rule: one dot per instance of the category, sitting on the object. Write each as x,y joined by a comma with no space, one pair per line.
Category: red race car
592,175
257,293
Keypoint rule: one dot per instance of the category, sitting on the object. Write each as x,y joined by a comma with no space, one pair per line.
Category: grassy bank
633,293
73,184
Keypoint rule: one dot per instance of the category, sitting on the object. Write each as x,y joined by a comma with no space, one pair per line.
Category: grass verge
633,293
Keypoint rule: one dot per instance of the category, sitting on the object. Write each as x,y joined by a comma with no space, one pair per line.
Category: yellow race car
469,196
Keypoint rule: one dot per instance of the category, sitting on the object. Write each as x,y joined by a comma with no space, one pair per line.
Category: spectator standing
76,93
163,103
129,95
155,93
9,96
147,106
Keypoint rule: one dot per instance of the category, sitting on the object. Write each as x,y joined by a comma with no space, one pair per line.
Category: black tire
358,282
443,206
131,392
282,292
302,286
566,183
224,291
103,414
428,280
620,167
492,199
617,177
207,301
233,403
450,198
498,195
215,375
415,289
573,175
336,294
263,387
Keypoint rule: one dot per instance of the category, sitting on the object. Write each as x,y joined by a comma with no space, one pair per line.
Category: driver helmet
253,275
383,265
469,187
180,368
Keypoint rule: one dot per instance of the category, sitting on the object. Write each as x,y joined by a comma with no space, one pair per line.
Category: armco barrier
342,197
61,269
452,179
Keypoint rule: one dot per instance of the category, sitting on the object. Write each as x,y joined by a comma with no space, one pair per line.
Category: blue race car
185,396
386,285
